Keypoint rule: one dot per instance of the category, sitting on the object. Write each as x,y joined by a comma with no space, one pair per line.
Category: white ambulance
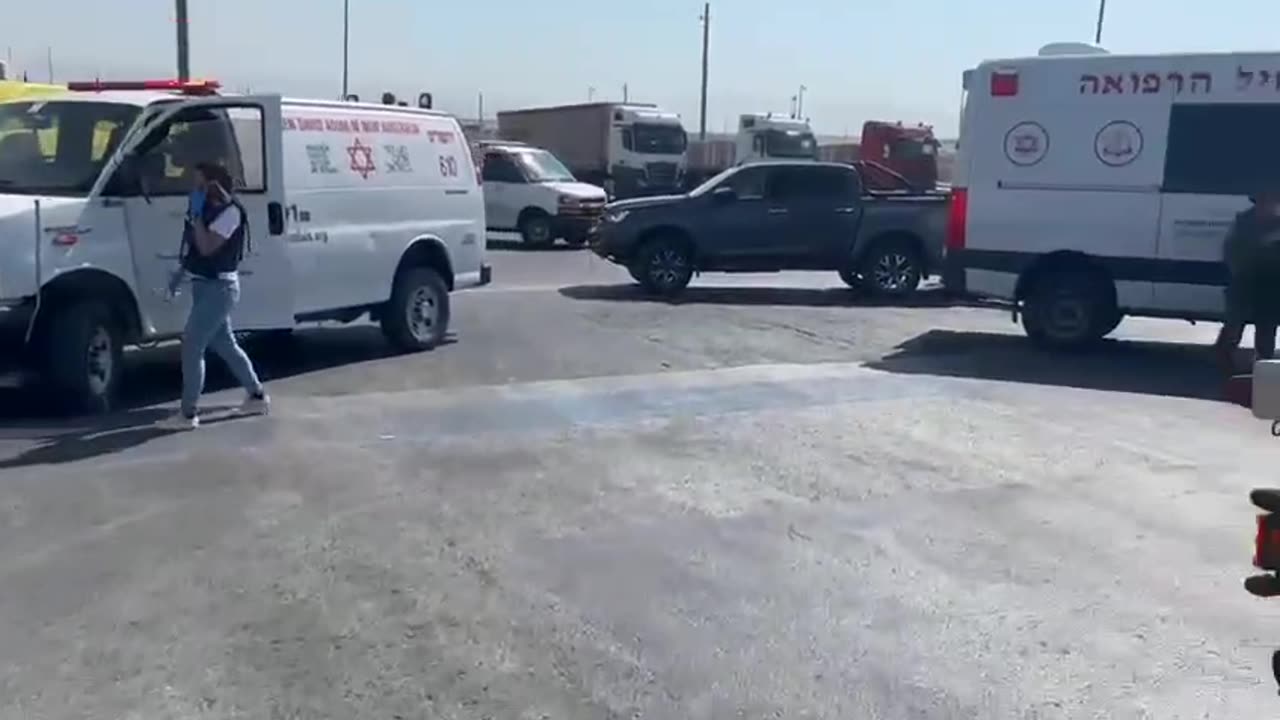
1089,186
354,210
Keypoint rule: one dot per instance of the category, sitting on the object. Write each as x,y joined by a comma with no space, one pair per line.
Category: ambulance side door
242,134
1219,153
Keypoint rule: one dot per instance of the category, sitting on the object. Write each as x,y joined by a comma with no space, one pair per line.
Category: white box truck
353,210
628,149
760,136
1089,186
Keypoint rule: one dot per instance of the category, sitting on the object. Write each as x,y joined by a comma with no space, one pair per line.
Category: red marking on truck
353,125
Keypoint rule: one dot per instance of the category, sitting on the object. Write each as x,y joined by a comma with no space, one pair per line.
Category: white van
353,210
1089,186
528,190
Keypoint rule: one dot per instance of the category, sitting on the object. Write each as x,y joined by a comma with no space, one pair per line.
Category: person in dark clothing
214,240
1251,252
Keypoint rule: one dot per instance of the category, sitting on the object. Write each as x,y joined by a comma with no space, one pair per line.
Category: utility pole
480,109
626,95
1102,10
346,45
706,44
184,49
591,94
800,103
50,59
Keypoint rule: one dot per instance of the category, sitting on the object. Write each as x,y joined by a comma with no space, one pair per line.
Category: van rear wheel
417,316
1069,309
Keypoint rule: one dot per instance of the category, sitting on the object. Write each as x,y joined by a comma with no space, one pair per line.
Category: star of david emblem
362,159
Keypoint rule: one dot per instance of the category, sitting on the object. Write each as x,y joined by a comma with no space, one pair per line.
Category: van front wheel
1069,310
84,355
417,316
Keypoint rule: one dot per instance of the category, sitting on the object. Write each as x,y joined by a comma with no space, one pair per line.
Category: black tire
851,278
1069,309
535,230
892,269
1111,324
83,351
663,266
417,316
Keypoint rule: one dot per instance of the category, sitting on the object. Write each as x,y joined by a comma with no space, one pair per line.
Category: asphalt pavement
772,498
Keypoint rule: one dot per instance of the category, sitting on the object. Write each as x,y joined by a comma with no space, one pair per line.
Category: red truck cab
909,151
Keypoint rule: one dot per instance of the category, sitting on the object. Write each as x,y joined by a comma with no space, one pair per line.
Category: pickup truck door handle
847,211
777,211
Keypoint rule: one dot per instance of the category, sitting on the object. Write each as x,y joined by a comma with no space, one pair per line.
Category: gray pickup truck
773,216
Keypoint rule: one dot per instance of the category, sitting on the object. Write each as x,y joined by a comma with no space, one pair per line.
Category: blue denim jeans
209,328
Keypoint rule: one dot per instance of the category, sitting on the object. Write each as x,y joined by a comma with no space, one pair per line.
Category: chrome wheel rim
667,267
894,271
100,360
423,312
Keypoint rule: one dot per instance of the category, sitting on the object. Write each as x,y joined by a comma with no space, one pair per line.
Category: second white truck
628,149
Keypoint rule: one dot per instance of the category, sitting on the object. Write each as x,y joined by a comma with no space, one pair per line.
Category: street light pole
706,45
1102,11
346,45
184,48
800,103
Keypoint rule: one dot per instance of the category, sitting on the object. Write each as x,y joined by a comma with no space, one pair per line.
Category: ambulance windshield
58,147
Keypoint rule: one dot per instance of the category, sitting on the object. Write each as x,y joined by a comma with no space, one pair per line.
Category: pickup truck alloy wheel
895,272
666,267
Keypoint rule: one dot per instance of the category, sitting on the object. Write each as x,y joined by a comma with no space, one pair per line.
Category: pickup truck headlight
569,201
616,216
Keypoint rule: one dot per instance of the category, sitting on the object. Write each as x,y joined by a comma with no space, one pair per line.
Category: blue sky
860,59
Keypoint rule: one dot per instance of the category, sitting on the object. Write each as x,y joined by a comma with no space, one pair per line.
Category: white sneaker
256,405
179,422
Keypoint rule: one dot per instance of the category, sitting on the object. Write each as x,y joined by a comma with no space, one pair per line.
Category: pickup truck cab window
748,184
815,184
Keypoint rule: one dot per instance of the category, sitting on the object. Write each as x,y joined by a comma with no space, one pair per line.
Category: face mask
197,202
